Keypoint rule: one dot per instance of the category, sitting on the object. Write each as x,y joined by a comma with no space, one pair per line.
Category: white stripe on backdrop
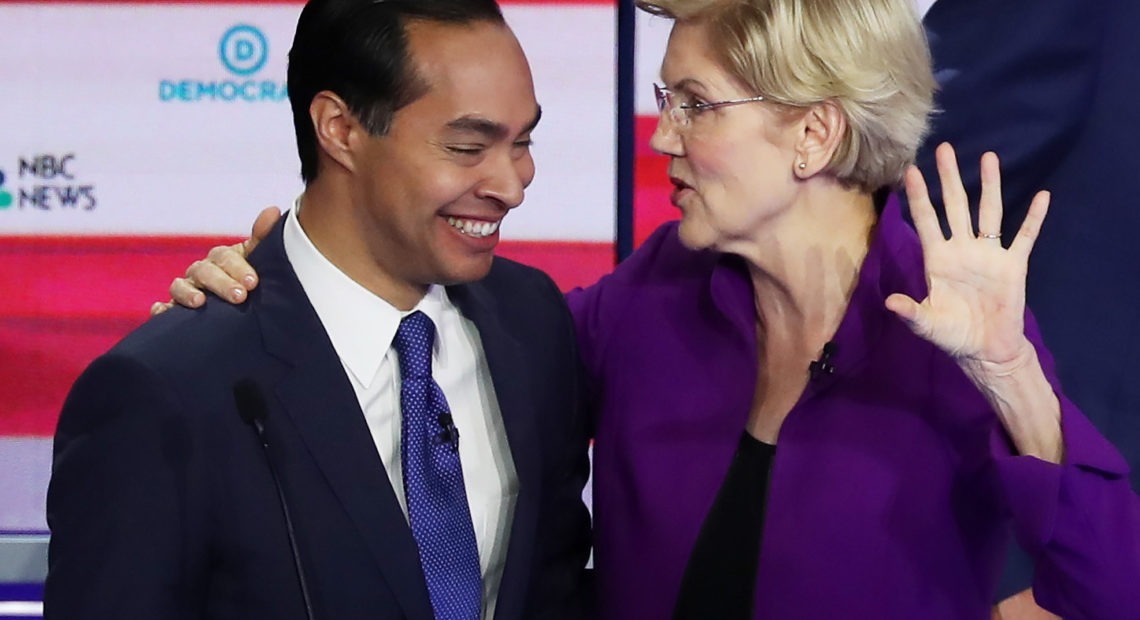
170,119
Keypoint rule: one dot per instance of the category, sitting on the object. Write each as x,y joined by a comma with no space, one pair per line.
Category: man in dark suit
1050,85
417,397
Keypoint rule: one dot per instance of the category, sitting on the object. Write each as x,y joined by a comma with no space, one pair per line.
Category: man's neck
327,217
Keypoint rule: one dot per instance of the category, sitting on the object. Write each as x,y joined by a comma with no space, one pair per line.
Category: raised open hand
975,305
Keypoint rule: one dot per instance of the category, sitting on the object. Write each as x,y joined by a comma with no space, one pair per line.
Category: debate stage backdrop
137,135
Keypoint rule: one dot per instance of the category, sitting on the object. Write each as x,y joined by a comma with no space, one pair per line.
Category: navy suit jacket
162,505
1052,86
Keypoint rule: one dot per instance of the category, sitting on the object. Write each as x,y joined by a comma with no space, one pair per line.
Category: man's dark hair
358,49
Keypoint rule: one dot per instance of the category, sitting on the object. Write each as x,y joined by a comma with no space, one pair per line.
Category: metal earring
801,165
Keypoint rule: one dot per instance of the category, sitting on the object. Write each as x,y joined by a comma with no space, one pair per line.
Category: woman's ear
823,127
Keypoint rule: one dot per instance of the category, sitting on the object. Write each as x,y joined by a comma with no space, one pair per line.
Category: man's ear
824,125
334,126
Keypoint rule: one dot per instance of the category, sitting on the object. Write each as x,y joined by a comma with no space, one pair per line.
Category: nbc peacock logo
5,195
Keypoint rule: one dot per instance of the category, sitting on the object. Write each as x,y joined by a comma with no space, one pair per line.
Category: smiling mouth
474,228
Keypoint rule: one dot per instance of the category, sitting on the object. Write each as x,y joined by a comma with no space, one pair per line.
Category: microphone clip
448,433
823,365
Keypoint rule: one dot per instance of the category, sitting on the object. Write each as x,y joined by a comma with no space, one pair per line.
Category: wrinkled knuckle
218,253
195,268
229,262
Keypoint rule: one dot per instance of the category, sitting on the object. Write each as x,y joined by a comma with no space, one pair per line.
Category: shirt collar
360,325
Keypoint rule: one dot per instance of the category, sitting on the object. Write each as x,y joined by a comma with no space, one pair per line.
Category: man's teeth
473,228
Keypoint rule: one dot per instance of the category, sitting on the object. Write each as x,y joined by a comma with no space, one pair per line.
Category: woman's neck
804,268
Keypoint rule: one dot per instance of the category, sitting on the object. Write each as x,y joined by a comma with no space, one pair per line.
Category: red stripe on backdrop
651,206
68,299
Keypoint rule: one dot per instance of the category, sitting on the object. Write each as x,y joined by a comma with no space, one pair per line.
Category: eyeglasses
682,113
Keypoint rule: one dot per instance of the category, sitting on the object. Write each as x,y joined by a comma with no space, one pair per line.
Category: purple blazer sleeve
596,310
1080,520
585,308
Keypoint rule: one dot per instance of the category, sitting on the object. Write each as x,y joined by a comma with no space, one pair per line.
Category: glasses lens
662,96
665,103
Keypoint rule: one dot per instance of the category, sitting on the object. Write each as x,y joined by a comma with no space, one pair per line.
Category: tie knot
413,345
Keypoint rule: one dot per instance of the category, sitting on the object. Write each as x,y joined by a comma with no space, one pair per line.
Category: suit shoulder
514,278
180,338
524,299
505,269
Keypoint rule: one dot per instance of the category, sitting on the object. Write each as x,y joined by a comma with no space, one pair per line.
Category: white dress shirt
361,327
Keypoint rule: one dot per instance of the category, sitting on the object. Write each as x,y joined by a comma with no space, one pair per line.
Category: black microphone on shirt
823,365
449,434
251,407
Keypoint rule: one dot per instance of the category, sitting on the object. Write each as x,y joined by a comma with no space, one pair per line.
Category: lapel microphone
823,365
251,407
449,434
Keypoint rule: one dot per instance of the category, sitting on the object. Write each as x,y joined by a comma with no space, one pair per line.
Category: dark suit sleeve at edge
120,503
564,491
1014,77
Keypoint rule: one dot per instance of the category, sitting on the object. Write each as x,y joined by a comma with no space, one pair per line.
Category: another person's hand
223,272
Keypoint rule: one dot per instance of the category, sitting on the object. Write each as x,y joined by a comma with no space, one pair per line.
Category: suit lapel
319,400
510,375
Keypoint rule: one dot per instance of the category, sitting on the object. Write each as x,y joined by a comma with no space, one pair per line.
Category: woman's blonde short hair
868,56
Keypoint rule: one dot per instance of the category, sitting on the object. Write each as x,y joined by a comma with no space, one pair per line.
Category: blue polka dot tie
433,480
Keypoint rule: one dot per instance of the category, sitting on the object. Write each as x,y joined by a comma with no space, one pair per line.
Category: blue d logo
243,50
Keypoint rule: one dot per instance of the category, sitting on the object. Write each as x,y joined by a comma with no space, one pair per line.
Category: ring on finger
982,235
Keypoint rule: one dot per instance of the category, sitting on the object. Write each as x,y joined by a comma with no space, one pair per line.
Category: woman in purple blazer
804,409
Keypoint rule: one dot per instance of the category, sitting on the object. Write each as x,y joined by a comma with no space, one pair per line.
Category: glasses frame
682,113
